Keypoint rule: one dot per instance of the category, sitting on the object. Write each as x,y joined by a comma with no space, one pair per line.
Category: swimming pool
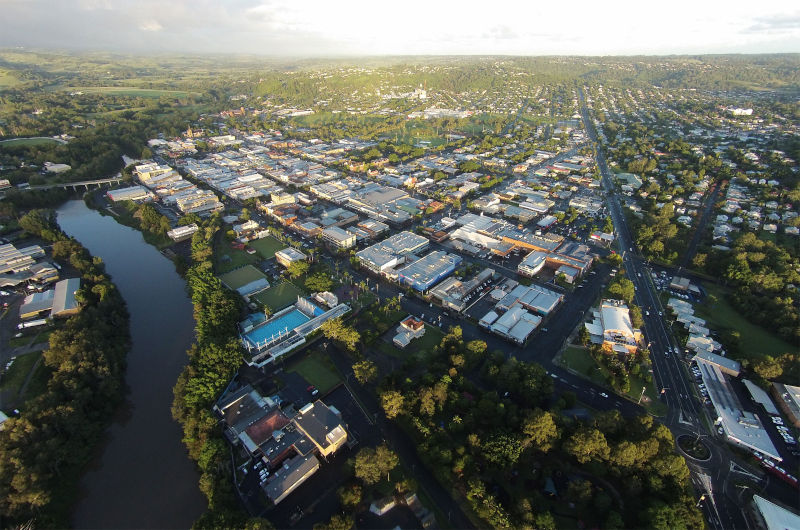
280,326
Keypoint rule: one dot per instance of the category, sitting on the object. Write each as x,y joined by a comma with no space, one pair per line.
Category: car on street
603,394
312,390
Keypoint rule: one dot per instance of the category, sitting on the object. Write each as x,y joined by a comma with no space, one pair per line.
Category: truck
32,323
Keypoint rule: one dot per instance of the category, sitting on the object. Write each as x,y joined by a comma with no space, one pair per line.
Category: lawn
279,296
13,379
267,247
317,369
240,277
228,258
755,341
431,339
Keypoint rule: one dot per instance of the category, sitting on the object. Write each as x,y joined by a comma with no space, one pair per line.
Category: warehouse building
453,293
429,270
538,299
516,324
381,257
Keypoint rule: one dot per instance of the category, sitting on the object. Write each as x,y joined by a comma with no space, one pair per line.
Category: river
142,477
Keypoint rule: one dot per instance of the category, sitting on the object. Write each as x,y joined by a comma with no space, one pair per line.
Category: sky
325,28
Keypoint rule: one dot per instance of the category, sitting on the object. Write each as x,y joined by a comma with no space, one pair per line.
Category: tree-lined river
142,477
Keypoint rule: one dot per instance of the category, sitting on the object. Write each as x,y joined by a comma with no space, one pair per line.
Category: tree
769,368
365,371
336,522
392,402
350,496
373,464
502,449
319,282
587,444
540,430
297,269
622,289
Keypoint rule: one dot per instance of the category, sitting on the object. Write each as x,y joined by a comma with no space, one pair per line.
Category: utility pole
641,396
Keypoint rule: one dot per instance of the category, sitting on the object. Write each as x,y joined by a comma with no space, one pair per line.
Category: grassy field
241,277
27,142
318,370
431,339
755,341
279,296
130,91
267,247
235,258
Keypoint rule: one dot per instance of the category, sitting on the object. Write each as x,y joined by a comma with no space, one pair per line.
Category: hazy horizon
319,29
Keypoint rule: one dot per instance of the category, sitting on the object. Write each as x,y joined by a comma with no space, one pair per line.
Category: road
723,508
711,199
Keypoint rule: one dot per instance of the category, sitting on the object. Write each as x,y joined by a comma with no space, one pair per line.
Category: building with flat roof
774,517
183,232
132,193
288,256
741,427
728,366
452,293
535,298
788,399
290,476
429,270
322,425
64,302
338,237
516,324
612,327
381,257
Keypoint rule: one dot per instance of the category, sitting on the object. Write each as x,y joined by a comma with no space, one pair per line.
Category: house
409,329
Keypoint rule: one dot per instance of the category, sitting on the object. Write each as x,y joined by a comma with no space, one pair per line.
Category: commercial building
452,293
516,324
288,256
59,301
381,257
429,270
725,365
132,193
538,299
612,327
183,232
13,260
770,516
288,444
339,238
788,399
741,427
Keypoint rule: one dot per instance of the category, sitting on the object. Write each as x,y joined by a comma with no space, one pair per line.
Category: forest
45,449
491,427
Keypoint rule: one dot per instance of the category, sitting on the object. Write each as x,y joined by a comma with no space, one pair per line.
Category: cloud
150,25
775,24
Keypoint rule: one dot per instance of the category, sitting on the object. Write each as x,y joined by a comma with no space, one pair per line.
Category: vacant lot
267,247
279,296
755,341
130,91
317,369
13,379
241,277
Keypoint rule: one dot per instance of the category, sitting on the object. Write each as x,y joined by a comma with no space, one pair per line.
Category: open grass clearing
755,341
279,296
317,369
227,258
131,91
267,246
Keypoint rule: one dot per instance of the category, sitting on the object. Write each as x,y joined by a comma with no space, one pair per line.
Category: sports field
240,277
267,247
279,296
